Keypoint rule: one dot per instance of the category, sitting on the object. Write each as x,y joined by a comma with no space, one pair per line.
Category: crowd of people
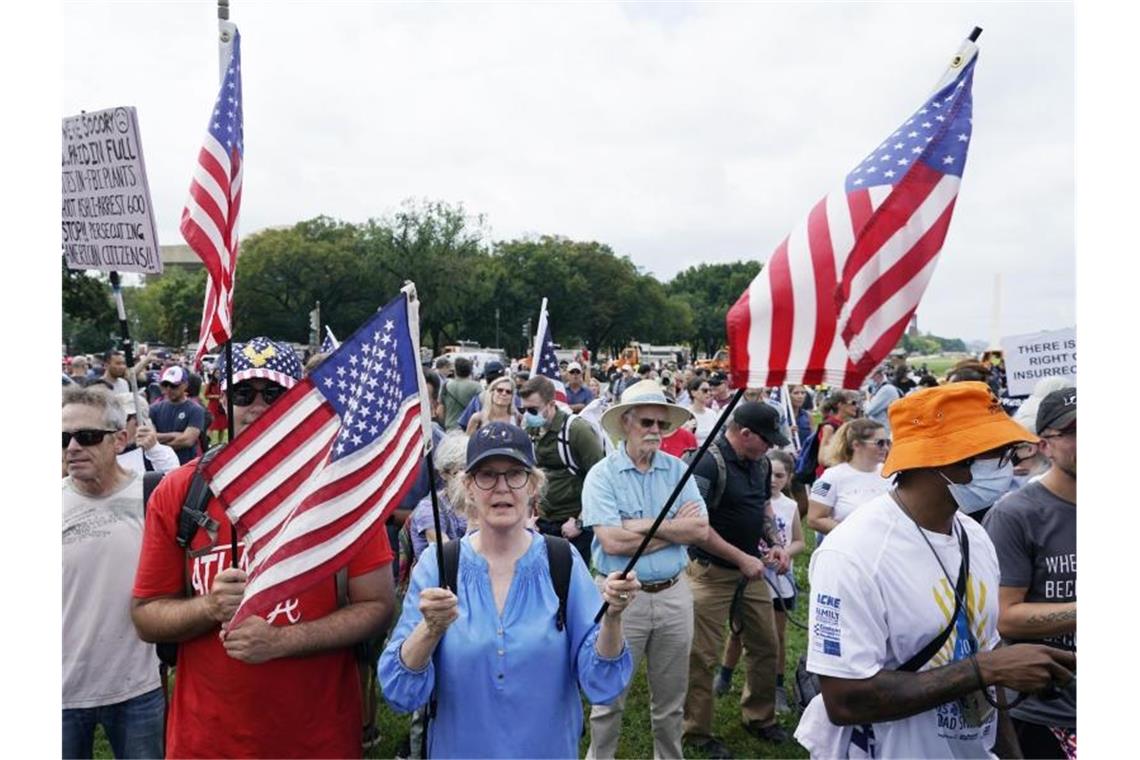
941,526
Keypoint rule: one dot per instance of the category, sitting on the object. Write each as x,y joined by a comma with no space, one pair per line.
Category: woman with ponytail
857,451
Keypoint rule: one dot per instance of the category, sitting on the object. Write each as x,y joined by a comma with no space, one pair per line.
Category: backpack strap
150,482
561,564
193,515
565,451
721,476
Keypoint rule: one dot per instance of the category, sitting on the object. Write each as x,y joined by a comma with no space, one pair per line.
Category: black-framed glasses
85,437
516,478
244,393
1004,457
647,423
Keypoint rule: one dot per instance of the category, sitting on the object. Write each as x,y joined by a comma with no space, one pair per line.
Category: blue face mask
988,483
533,420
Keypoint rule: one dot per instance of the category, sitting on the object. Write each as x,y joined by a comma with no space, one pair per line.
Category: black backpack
712,501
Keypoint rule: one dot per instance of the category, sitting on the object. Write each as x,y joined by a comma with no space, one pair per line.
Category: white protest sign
108,221
1029,358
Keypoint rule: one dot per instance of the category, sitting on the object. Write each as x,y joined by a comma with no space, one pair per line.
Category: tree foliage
710,290
89,319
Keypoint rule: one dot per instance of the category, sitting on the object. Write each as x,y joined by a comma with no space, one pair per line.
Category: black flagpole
676,492
435,518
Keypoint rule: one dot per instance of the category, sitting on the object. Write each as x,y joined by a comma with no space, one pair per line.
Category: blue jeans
134,727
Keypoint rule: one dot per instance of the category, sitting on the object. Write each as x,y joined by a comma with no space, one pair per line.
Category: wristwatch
577,523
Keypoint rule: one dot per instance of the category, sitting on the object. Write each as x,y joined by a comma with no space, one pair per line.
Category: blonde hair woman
492,652
497,404
858,448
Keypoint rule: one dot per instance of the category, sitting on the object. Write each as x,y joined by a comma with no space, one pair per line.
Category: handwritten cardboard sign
107,217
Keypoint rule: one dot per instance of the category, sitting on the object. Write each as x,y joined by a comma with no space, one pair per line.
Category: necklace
953,531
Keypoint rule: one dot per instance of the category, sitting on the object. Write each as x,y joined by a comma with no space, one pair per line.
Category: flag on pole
330,343
543,358
314,478
837,294
210,218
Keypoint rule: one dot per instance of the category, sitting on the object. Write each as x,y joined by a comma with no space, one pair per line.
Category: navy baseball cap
500,439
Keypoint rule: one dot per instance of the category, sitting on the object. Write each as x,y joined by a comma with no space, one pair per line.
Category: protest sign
108,221
1031,357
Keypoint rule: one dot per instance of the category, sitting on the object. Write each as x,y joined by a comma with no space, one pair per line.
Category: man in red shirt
283,685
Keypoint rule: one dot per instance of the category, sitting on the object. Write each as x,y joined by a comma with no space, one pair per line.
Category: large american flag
837,294
314,478
545,362
210,218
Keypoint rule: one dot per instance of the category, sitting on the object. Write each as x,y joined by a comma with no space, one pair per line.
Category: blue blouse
508,685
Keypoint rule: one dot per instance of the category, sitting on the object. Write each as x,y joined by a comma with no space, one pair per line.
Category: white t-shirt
705,422
843,488
784,508
878,597
104,660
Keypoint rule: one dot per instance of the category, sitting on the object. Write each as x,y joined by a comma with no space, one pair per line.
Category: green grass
636,737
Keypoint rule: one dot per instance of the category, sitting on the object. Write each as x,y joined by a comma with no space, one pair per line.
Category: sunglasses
244,393
647,423
879,443
532,409
88,437
516,478
505,391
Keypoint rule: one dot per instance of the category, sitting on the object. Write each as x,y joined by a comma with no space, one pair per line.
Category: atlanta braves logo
258,358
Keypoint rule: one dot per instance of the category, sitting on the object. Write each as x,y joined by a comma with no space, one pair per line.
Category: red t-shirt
291,707
678,442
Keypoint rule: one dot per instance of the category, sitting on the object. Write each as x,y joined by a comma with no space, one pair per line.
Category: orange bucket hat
944,425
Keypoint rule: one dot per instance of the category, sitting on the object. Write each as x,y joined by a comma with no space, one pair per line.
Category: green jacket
563,498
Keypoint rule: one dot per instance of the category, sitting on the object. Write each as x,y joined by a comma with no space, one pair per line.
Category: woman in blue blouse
507,679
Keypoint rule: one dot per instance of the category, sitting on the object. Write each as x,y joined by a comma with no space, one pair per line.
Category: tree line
471,288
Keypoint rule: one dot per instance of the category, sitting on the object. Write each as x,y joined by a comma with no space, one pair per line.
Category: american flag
210,218
837,294
545,362
330,343
314,478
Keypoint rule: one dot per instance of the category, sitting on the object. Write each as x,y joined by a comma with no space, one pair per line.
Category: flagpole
225,42
142,412
676,492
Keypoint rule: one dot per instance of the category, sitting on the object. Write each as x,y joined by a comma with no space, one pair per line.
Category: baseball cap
174,376
1058,410
493,369
264,358
762,419
500,439
573,366
717,378
947,424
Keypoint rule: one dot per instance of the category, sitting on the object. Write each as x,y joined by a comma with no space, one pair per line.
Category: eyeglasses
516,478
879,443
1004,457
88,437
532,409
647,423
244,393
505,391
575,372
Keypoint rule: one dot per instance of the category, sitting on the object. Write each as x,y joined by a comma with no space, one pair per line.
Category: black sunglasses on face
647,423
244,393
532,409
88,437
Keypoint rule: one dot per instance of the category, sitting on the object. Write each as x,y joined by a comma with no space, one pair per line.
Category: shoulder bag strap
914,663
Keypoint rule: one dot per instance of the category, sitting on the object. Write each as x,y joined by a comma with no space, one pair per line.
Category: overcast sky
676,133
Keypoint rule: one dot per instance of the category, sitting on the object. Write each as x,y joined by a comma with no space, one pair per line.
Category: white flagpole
539,333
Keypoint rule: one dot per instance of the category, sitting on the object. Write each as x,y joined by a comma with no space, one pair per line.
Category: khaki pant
713,588
660,627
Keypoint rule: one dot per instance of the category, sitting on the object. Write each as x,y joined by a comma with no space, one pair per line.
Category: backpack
807,461
712,501
565,450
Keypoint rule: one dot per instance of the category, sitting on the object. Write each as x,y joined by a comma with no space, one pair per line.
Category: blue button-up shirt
616,490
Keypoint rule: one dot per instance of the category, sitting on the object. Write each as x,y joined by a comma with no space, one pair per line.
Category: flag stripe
783,314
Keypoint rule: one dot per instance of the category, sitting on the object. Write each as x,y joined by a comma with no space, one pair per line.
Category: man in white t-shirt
110,676
888,585
143,452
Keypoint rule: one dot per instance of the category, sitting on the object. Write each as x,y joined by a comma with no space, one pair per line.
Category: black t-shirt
739,518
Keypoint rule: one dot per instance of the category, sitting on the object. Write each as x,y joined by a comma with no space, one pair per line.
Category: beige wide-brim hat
640,394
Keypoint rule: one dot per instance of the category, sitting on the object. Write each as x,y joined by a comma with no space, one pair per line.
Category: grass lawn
636,739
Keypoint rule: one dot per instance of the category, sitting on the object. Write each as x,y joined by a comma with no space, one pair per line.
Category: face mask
988,482
533,420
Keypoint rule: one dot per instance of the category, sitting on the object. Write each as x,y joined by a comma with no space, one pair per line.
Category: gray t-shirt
104,661
1035,534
